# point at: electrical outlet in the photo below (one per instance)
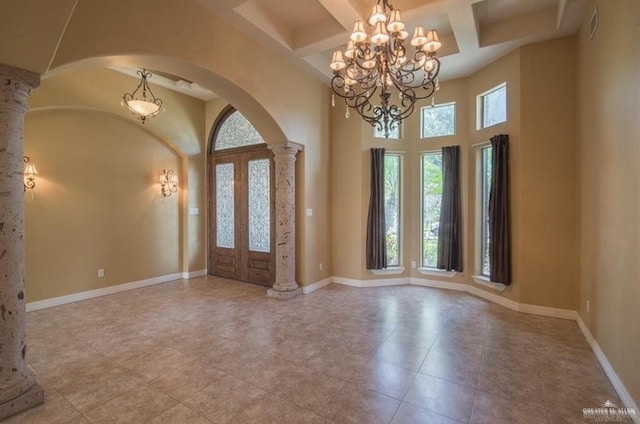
(101, 273)
(320, 266)
(588, 306)
(413, 264)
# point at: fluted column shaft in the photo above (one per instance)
(18, 387)
(285, 286)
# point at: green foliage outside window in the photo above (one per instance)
(392, 208)
(431, 198)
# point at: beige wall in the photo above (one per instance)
(98, 186)
(548, 227)
(609, 159)
(97, 204)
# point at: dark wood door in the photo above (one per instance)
(241, 210)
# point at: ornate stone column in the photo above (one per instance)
(19, 389)
(285, 286)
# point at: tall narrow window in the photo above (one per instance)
(486, 160)
(225, 210)
(431, 202)
(392, 165)
(259, 206)
(492, 106)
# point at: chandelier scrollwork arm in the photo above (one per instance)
(376, 62)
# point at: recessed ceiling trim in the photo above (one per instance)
(270, 25)
(344, 11)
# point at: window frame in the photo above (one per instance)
(480, 124)
(439, 105)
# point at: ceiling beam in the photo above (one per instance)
(270, 25)
(346, 12)
(464, 23)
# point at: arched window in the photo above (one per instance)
(235, 130)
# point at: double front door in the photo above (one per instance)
(242, 215)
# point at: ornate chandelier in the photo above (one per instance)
(142, 102)
(377, 60)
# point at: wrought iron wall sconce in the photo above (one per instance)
(30, 173)
(168, 183)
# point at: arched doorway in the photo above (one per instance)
(241, 202)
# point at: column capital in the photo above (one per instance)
(8, 72)
(287, 148)
(15, 86)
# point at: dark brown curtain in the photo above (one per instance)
(450, 228)
(499, 216)
(376, 246)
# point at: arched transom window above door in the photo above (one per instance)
(236, 131)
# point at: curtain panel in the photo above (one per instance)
(450, 227)
(376, 248)
(499, 213)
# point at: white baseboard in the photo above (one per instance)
(316, 286)
(90, 294)
(425, 282)
(371, 283)
(194, 274)
(608, 369)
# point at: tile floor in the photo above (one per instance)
(214, 351)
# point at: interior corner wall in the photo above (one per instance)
(97, 203)
(609, 169)
(347, 237)
(548, 222)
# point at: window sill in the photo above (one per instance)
(388, 271)
(436, 272)
(484, 281)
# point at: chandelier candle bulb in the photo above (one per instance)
(395, 23)
(348, 53)
(359, 34)
(337, 62)
(377, 15)
(419, 39)
(380, 35)
(433, 41)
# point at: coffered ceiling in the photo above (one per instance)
(473, 32)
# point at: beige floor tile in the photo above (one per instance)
(401, 355)
(443, 397)
(179, 414)
(458, 366)
(224, 399)
(410, 414)
(187, 380)
(490, 409)
(355, 404)
(154, 363)
(519, 386)
(271, 410)
(137, 406)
